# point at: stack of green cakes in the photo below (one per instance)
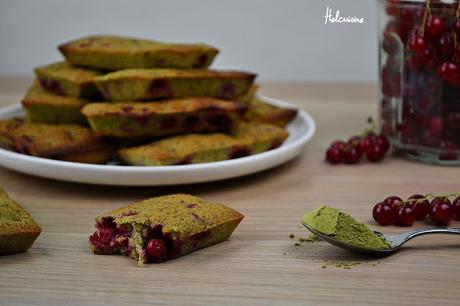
(143, 102)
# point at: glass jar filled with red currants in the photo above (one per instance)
(420, 78)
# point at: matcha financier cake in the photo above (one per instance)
(7, 126)
(262, 112)
(141, 120)
(18, 230)
(163, 228)
(58, 141)
(117, 52)
(66, 80)
(248, 139)
(153, 84)
(41, 105)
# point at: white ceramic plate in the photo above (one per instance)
(301, 130)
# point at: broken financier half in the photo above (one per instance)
(163, 228)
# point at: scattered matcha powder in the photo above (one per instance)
(310, 239)
(344, 228)
(347, 265)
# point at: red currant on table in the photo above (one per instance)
(384, 214)
(393, 210)
(421, 207)
(338, 144)
(441, 213)
(406, 216)
(375, 154)
(456, 207)
(373, 146)
(352, 155)
(334, 155)
(393, 201)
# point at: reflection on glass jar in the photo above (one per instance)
(420, 78)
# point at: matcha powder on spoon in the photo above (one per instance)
(344, 228)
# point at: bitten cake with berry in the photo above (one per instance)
(117, 52)
(163, 228)
(170, 117)
(153, 84)
(18, 230)
(66, 80)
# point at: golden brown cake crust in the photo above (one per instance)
(262, 112)
(18, 230)
(36, 95)
(174, 212)
(110, 52)
(247, 139)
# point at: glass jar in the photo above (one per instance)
(420, 78)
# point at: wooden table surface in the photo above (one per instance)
(259, 264)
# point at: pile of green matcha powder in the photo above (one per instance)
(344, 228)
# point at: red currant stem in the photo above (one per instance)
(427, 197)
(425, 15)
(371, 127)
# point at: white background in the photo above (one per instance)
(282, 40)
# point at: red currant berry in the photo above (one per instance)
(354, 141)
(439, 200)
(434, 27)
(446, 46)
(456, 207)
(156, 249)
(441, 213)
(406, 216)
(384, 214)
(352, 155)
(417, 43)
(376, 153)
(366, 144)
(457, 27)
(421, 208)
(393, 201)
(338, 144)
(449, 71)
(382, 141)
(334, 155)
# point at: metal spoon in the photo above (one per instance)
(396, 241)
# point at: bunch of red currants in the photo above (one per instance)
(393, 210)
(373, 146)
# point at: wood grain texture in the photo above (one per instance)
(259, 265)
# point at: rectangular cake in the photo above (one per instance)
(248, 139)
(153, 84)
(117, 52)
(7, 126)
(163, 228)
(41, 105)
(141, 120)
(18, 230)
(64, 79)
(58, 141)
(262, 112)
